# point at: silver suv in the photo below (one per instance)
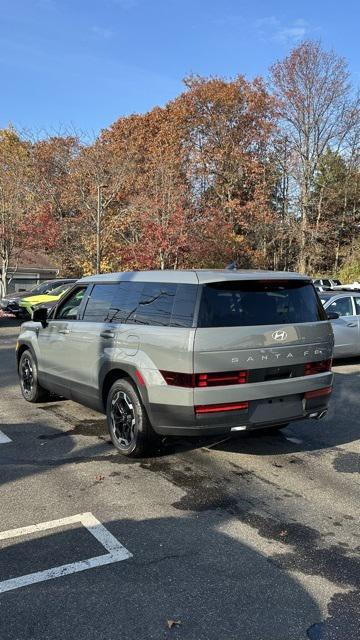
(183, 352)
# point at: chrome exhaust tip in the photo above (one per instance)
(318, 415)
(322, 414)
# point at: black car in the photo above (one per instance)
(10, 303)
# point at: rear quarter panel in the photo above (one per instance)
(169, 349)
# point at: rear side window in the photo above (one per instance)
(156, 304)
(184, 305)
(239, 304)
(147, 303)
(125, 302)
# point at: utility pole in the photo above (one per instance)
(98, 225)
(98, 229)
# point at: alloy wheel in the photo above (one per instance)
(27, 376)
(122, 418)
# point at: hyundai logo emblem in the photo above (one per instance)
(279, 335)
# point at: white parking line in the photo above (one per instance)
(116, 551)
(3, 438)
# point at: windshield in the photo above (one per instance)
(238, 304)
(39, 289)
(59, 290)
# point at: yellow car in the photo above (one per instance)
(27, 304)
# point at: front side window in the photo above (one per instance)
(246, 303)
(342, 306)
(69, 309)
(357, 306)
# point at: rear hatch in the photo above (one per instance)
(265, 332)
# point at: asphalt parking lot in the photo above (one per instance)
(249, 538)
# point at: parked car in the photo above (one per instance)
(11, 302)
(325, 284)
(45, 305)
(27, 305)
(346, 325)
(353, 286)
(183, 352)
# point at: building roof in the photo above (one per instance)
(33, 261)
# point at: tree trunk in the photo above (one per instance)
(3, 281)
(302, 262)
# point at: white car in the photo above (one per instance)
(343, 309)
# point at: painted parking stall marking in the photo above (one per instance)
(116, 552)
(4, 439)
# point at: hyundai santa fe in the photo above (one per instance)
(183, 352)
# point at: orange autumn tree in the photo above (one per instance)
(199, 178)
(229, 128)
(153, 213)
(26, 223)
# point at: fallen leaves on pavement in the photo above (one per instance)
(173, 623)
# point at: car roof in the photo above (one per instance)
(335, 294)
(59, 280)
(194, 276)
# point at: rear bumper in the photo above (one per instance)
(179, 420)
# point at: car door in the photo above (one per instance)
(92, 340)
(356, 300)
(56, 357)
(346, 327)
(105, 335)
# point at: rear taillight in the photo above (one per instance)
(325, 391)
(178, 379)
(216, 379)
(217, 408)
(311, 368)
(192, 380)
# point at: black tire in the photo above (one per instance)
(129, 427)
(31, 390)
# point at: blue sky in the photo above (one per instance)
(84, 63)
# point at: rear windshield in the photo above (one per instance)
(240, 304)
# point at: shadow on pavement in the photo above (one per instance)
(184, 569)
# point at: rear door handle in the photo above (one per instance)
(65, 331)
(351, 324)
(107, 334)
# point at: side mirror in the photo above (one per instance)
(40, 315)
(333, 315)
